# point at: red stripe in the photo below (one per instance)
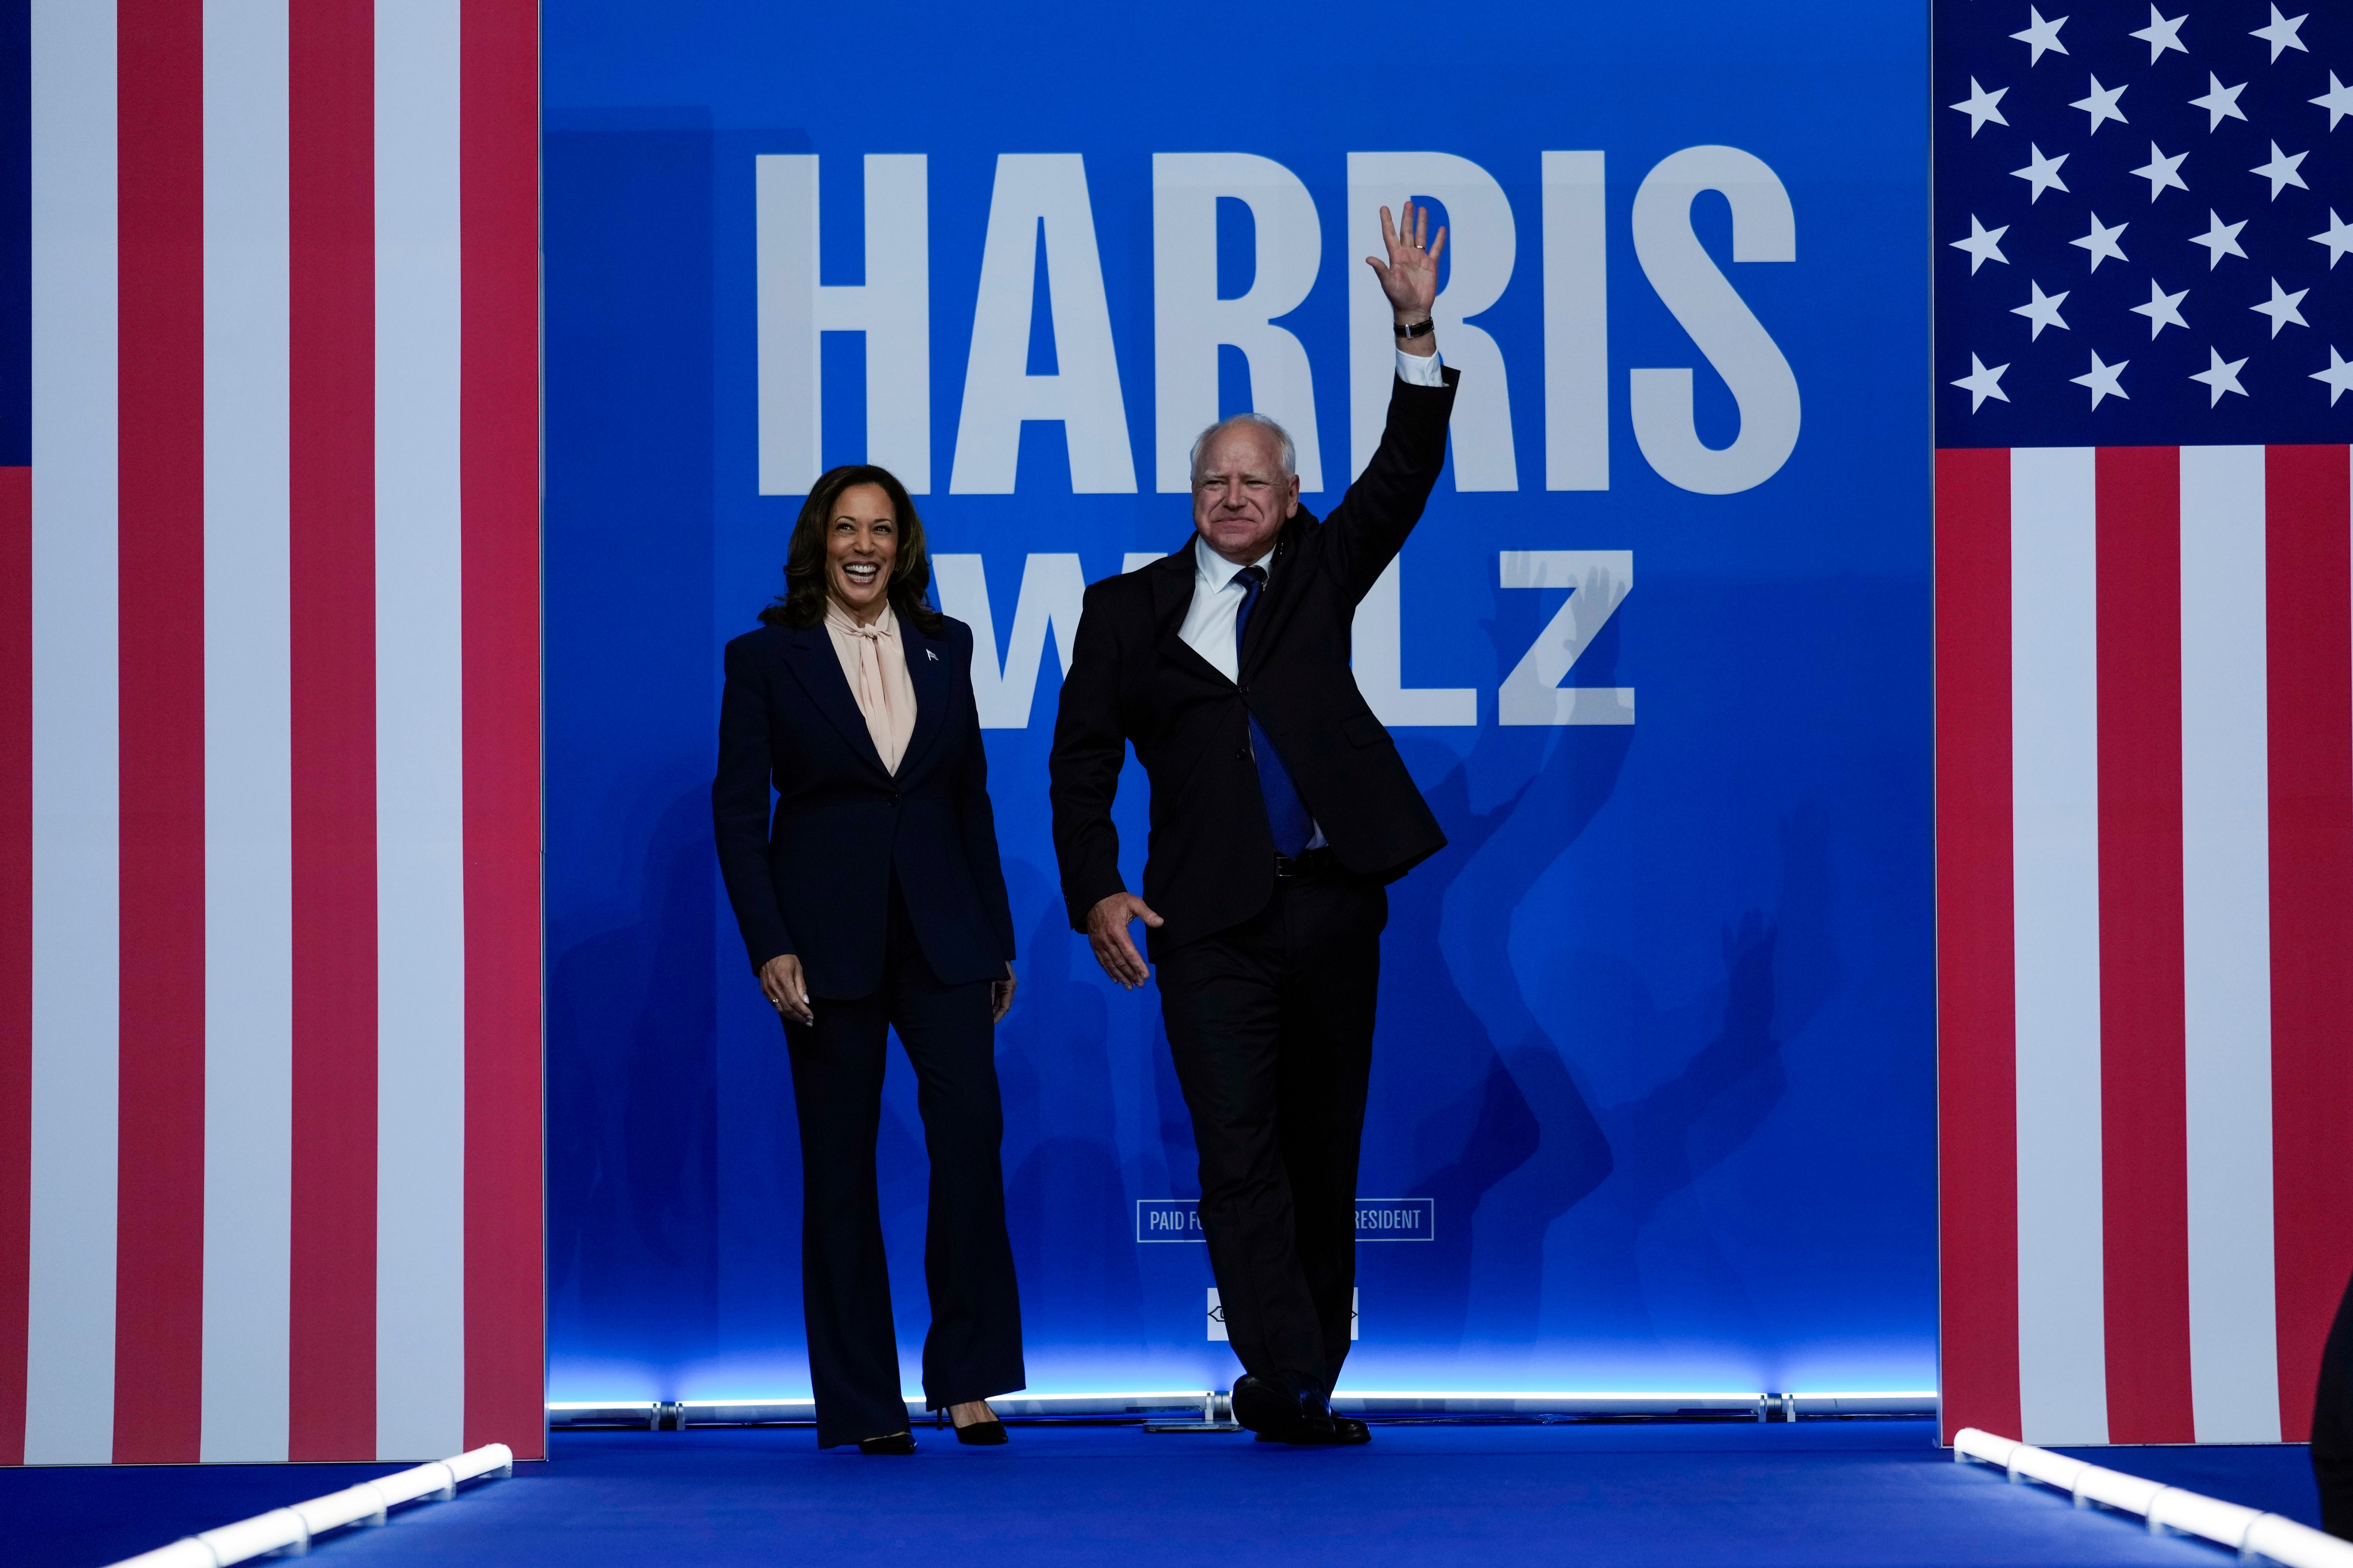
(331, 211)
(1976, 1011)
(505, 1304)
(15, 947)
(2306, 568)
(159, 1277)
(2144, 1125)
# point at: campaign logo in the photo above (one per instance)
(1218, 1315)
(1377, 1219)
(1040, 224)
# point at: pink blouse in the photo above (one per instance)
(874, 661)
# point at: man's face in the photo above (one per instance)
(1242, 497)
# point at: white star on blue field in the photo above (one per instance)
(2139, 212)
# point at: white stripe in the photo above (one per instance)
(2226, 940)
(1576, 321)
(248, 742)
(421, 1014)
(69, 1388)
(2055, 822)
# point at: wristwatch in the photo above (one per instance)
(1417, 330)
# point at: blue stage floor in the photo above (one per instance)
(1859, 1493)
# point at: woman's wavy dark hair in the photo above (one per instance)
(802, 605)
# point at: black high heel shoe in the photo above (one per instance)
(983, 1434)
(896, 1443)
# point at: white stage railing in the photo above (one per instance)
(294, 1528)
(2248, 1531)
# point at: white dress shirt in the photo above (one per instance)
(1419, 370)
(1209, 628)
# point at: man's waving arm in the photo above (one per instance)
(1370, 524)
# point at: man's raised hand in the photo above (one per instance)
(1107, 934)
(1410, 276)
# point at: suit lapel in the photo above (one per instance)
(927, 673)
(1172, 589)
(808, 653)
(1174, 580)
(1282, 590)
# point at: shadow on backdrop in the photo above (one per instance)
(1065, 1192)
(1515, 1122)
(632, 1116)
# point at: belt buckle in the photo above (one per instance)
(1285, 868)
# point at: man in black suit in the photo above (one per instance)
(1280, 811)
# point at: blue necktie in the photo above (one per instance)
(1286, 814)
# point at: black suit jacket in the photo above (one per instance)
(813, 879)
(1133, 679)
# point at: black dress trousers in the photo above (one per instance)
(973, 1349)
(1271, 1025)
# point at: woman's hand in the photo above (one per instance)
(1001, 995)
(787, 990)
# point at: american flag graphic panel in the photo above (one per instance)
(269, 1149)
(2140, 222)
(2144, 712)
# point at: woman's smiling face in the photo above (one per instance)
(862, 544)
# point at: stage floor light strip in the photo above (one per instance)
(294, 1528)
(2248, 1531)
(1193, 1393)
(1766, 1405)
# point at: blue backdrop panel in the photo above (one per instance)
(1655, 1051)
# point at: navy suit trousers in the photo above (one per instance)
(973, 1349)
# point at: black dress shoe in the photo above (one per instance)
(1282, 1412)
(1266, 1408)
(1346, 1432)
(897, 1443)
(984, 1434)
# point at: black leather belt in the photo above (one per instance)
(1306, 863)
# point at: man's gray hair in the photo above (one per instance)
(1282, 438)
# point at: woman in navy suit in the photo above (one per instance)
(870, 899)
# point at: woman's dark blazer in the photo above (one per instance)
(813, 879)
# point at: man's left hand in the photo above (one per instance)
(1410, 276)
(1001, 995)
